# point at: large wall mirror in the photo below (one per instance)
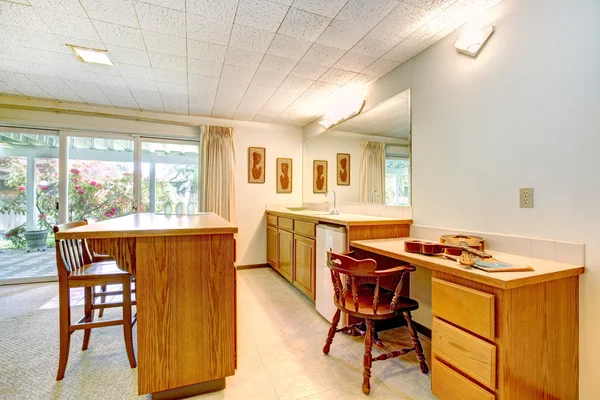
(371, 152)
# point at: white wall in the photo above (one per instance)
(526, 112)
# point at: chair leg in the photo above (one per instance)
(89, 316)
(127, 325)
(102, 300)
(64, 323)
(368, 358)
(332, 329)
(416, 342)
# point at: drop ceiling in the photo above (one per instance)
(255, 60)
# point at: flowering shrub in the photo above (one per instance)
(15, 236)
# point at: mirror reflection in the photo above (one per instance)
(367, 156)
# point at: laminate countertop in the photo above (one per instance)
(147, 224)
(544, 270)
(341, 219)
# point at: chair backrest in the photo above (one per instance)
(71, 254)
(344, 273)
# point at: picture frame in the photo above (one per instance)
(284, 175)
(343, 169)
(256, 164)
(320, 176)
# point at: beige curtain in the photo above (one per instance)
(372, 171)
(217, 171)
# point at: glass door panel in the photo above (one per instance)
(100, 177)
(169, 176)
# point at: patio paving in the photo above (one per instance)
(18, 266)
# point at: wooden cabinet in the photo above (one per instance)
(304, 265)
(285, 243)
(272, 247)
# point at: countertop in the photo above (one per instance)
(342, 219)
(544, 270)
(137, 225)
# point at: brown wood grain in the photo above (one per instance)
(285, 223)
(304, 265)
(342, 219)
(449, 384)
(304, 228)
(285, 243)
(272, 247)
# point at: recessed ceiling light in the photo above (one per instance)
(92, 56)
(473, 40)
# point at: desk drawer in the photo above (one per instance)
(271, 220)
(468, 308)
(286, 223)
(304, 228)
(467, 353)
(447, 384)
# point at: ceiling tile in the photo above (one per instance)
(168, 62)
(203, 82)
(120, 35)
(208, 29)
(253, 39)
(198, 109)
(71, 7)
(174, 77)
(206, 51)
(204, 67)
(342, 35)
(166, 44)
(126, 55)
(308, 70)
(359, 81)
(203, 99)
(31, 39)
(234, 87)
(177, 103)
(237, 72)
(223, 10)
(284, 46)
(406, 49)
(164, 87)
(24, 2)
(283, 97)
(114, 11)
(337, 76)
(122, 101)
(114, 90)
(106, 79)
(160, 19)
(135, 71)
(354, 61)
(243, 58)
(47, 83)
(303, 25)
(380, 67)
(373, 46)
(141, 84)
(148, 100)
(277, 64)
(429, 4)
(91, 44)
(296, 83)
(258, 94)
(101, 69)
(323, 55)
(174, 4)
(269, 78)
(265, 117)
(21, 16)
(285, 118)
(329, 8)
(244, 114)
(366, 13)
(66, 95)
(69, 25)
(73, 74)
(399, 24)
(260, 14)
(88, 91)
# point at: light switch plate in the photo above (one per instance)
(526, 197)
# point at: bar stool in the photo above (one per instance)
(76, 268)
(370, 302)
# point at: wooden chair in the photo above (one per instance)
(371, 302)
(76, 268)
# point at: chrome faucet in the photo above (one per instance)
(373, 196)
(335, 210)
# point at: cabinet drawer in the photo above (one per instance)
(304, 228)
(286, 223)
(447, 384)
(467, 353)
(468, 308)
(271, 220)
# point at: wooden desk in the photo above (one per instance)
(185, 282)
(498, 335)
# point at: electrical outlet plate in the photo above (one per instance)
(526, 197)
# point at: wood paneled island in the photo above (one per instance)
(186, 296)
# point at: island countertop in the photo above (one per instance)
(341, 219)
(147, 224)
(544, 270)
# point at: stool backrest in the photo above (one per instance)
(71, 254)
(346, 271)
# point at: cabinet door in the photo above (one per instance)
(286, 252)
(272, 247)
(304, 265)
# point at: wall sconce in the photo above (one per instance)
(340, 110)
(471, 42)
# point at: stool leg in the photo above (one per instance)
(102, 300)
(332, 329)
(64, 323)
(416, 342)
(368, 359)
(127, 326)
(89, 316)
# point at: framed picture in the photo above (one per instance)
(343, 169)
(319, 176)
(284, 175)
(256, 164)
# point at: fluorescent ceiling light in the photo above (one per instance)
(471, 42)
(92, 56)
(341, 108)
